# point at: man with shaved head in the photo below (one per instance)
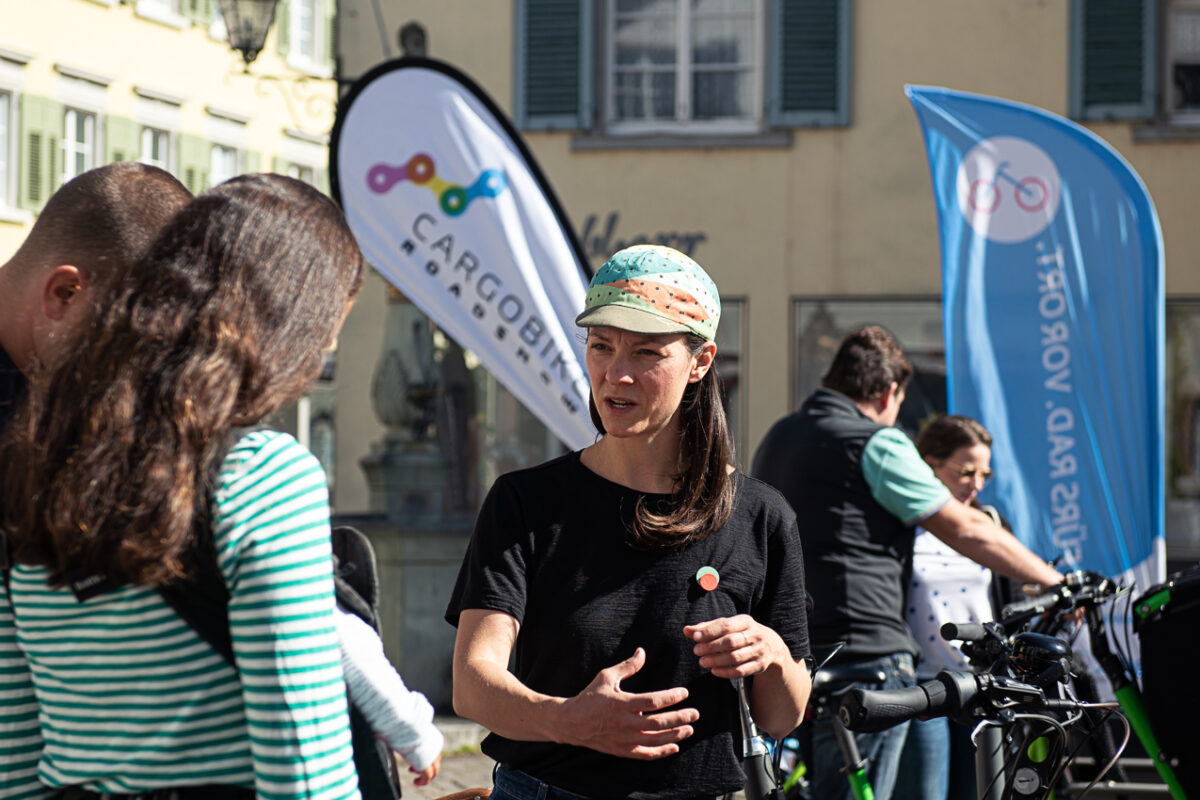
(93, 229)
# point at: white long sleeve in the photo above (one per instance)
(401, 717)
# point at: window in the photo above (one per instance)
(156, 148)
(7, 136)
(224, 164)
(304, 28)
(683, 64)
(301, 172)
(165, 11)
(1183, 432)
(916, 324)
(305, 35)
(78, 143)
(1182, 63)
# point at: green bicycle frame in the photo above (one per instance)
(860, 786)
(1131, 703)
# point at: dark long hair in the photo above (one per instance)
(225, 320)
(703, 498)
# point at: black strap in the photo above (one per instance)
(202, 599)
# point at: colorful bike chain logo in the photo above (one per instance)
(452, 198)
(1008, 189)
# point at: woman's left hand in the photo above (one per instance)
(736, 647)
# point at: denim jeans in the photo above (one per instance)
(512, 784)
(925, 761)
(881, 749)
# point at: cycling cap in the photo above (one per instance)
(652, 289)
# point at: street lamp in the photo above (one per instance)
(246, 22)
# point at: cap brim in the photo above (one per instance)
(628, 319)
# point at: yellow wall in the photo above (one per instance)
(114, 41)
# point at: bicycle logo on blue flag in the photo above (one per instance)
(1008, 189)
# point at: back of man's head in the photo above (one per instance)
(867, 362)
(102, 221)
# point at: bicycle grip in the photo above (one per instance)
(1032, 605)
(874, 710)
(963, 631)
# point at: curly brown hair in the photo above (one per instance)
(867, 362)
(226, 319)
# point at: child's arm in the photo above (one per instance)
(401, 717)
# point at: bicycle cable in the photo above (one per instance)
(1112, 762)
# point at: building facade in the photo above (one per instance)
(772, 140)
(89, 82)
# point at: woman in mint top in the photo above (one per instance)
(226, 320)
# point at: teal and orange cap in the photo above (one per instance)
(648, 288)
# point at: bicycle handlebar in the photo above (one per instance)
(951, 694)
(1033, 605)
(874, 710)
(963, 631)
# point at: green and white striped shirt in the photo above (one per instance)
(118, 694)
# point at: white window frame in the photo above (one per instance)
(150, 136)
(217, 168)
(683, 123)
(165, 12)
(1172, 57)
(9, 165)
(314, 63)
(70, 148)
(302, 172)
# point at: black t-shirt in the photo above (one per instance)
(550, 549)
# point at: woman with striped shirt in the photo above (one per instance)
(224, 322)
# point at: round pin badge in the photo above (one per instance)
(708, 578)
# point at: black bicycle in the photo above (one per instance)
(1029, 719)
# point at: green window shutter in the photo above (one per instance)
(1113, 57)
(282, 33)
(321, 180)
(122, 139)
(552, 61)
(39, 131)
(194, 161)
(809, 63)
(251, 161)
(279, 165)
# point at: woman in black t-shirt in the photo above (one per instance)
(631, 580)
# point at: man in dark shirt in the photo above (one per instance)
(858, 485)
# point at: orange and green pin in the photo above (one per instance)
(708, 578)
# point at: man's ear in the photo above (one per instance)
(892, 395)
(63, 287)
(704, 362)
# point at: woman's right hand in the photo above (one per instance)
(631, 725)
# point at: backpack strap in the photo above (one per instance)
(5, 557)
(202, 598)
